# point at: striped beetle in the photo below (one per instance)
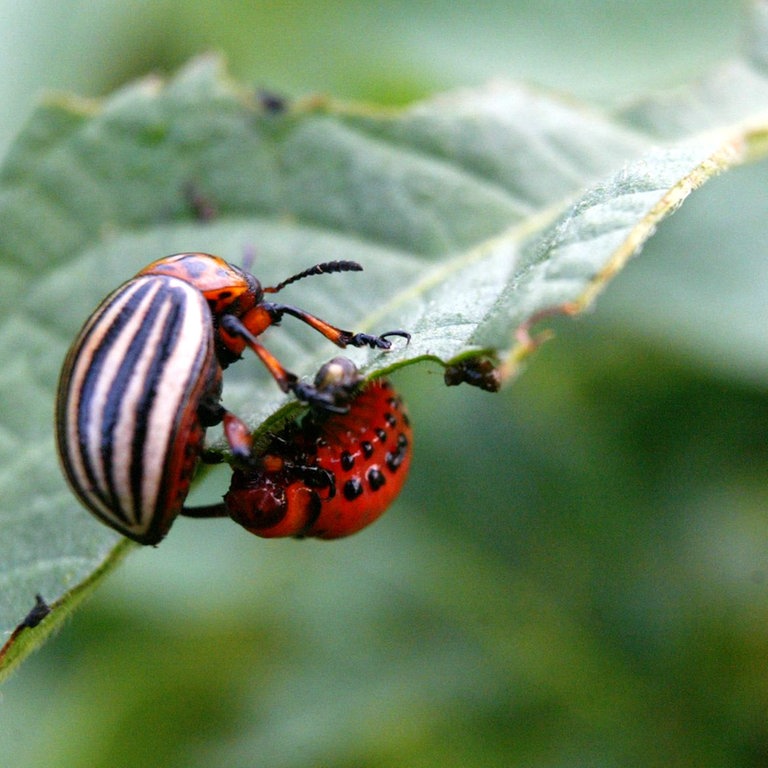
(142, 382)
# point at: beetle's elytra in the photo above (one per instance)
(127, 413)
(142, 381)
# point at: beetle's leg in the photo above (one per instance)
(238, 436)
(240, 441)
(338, 336)
(287, 381)
(210, 411)
(235, 327)
(208, 510)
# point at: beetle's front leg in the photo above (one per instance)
(375, 342)
(234, 326)
(287, 381)
(338, 336)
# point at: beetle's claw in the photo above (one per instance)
(377, 342)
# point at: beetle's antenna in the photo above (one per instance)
(319, 269)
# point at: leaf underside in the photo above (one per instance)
(475, 215)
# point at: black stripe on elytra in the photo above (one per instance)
(116, 395)
(163, 350)
(94, 374)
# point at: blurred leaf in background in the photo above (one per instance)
(389, 52)
(577, 572)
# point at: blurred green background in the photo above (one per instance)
(577, 571)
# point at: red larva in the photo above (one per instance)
(331, 474)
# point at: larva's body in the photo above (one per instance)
(331, 474)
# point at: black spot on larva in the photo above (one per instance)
(394, 460)
(347, 461)
(367, 447)
(381, 434)
(390, 419)
(376, 478)
(353, 489)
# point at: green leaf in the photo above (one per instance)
(475, 214)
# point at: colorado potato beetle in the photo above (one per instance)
(329, 474)
(142, 382)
